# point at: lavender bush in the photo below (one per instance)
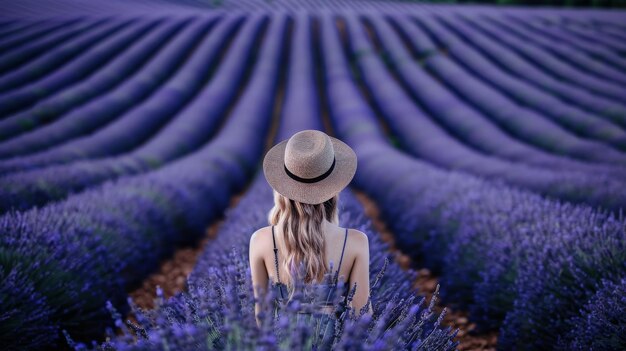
(517, 71)
(601, 324)
(22, 190)
(86, 250)
(487, 241)
(75, 69)
(107, 77)
(60, 54)
(423, 138)
(217, 311)
(139, 123)
(471, 89)
(106, 107)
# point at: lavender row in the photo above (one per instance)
(463, 119)
(33, 32)
(511, 62)
(227, 319)
(549, 112)
(19, 26)
(104, 79)
(60, 55)
(500, 100)
(17, 55)
(605, 315)
(485, 239)
(614, 45)
(427, 140)
(301, 109)
(217, 309)
(191, 127)
(105, 108)
(65, 267)
(548, 63)
(76, 69)
(563, 52)
(611, 31)
(546, 27)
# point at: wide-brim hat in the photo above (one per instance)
(310, 167)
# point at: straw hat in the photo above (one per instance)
(310, 167)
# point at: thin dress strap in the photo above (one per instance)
(344, 247)
(275, 254)
(276, 263)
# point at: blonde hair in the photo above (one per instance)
(301, 226)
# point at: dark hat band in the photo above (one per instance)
(312, 180)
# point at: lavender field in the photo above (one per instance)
(492, 140)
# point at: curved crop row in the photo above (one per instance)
(614, 45)
(60, 55)
(224, 264)
(518, 120)
(545, 61)
(107, 107)
(563, 52)
(192, 126)
(546, 27)
(110, 237)
(17, 55)
(106, 78)
(485, 239)
(427, 140)
(18, 28)
(464, 119)
(76, 69)
(511, 62)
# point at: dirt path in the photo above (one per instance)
(173, 272)
(426, 284)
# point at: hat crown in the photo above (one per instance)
(309, 153)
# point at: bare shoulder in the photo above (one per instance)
(357, 237)
(260, 236)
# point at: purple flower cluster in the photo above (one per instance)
(72, 256)
(423, 138)
(60, 54)
(512, 74)
(138, 123)
(107, 77)
(22, 190)
(602, 323)
(518, 261)
(217, 311)
(159, 115)
(70, 72)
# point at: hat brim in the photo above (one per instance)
(310, 193)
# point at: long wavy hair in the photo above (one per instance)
(301, 226)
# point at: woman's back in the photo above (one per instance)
(323, 297)
(348, 249)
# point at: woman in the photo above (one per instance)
(307, 172)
